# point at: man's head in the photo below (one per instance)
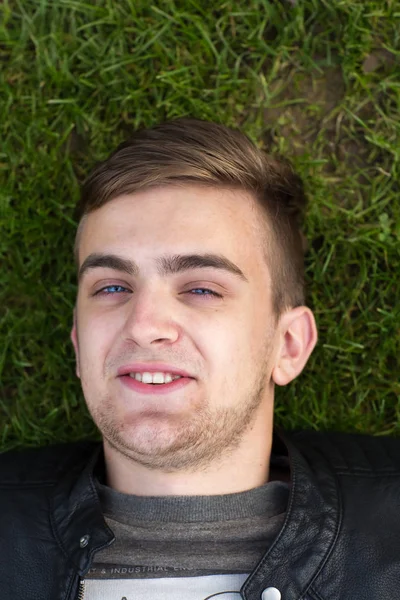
(193, 235)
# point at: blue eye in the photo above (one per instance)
(110, 287)
(209, 292)
(112, 290)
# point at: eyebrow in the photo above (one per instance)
(166, 265)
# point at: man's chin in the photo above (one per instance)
(152, 441)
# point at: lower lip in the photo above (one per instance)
(155, 389)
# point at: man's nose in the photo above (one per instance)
(151, 318)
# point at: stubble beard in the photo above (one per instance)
(212, 434)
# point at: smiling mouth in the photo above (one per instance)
(154, 388)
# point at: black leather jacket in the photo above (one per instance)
(340, 539)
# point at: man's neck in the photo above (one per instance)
(244, 468)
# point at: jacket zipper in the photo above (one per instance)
(81, 591)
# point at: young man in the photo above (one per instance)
(190, 309)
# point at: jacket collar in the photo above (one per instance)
(290, 564)
(76, 515)
(310, 529)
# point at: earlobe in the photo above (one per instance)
(299, 336)
(74, 339)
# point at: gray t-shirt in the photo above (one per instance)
(184, 547)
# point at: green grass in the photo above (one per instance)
(318, 81)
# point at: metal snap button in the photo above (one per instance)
(271, 593)
(83, 542)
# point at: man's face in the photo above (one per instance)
(227, 342)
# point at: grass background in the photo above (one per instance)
(316, 80)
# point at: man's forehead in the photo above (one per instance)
(175, 221)
(192, 203)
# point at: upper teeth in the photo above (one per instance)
(154, 377)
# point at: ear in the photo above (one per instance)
(74, 339)
(299, 336)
